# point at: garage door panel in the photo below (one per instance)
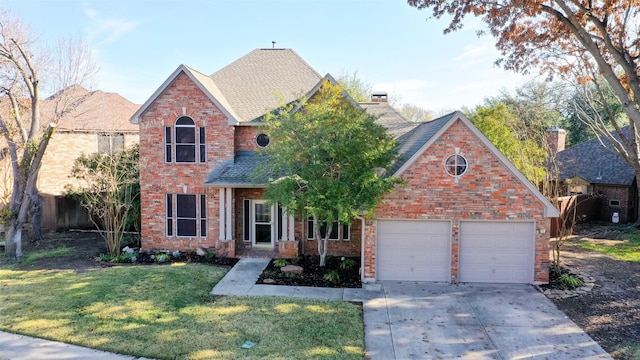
(496, 251)
(413, 250)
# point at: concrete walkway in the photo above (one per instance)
(18, 347)
(419, 320)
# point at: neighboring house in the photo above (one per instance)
(98, 122)
(590, 168)
(465, 215)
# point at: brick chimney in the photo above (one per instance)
(379, 97)
(556, 139)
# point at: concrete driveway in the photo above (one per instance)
(416, 320)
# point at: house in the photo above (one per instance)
(465, 215)
(591, 168)
(97, 122)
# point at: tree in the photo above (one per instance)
(358, 89)
(22, 68)
(582, 41)
(501, 127)
(415, 113)
(109, 187)
(327, 160)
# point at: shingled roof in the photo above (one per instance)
(93, 111)
(596, 164)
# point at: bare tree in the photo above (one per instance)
(22, 68)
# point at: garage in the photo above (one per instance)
(413, 250)
(496, 252)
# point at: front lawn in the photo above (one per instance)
(165, 312)
(624, 246)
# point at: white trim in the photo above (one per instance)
(252, 229)
(229, 235)
(284, 225)
(549, 209)
(222, 214)
(292, 235)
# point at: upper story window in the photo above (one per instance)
(456, 165)
(262, 140)
(109, 143)
(185, 142)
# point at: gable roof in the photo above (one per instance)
(596, 164)
(414, 143)
(245, 89)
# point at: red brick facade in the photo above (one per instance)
(487, 191)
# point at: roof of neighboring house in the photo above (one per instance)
(594, 163)
(90, 111)
(247, 88)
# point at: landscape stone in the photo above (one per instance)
(292, 269)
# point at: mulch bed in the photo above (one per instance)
(610, 313)
(314, 275)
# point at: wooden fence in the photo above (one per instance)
(587, 208)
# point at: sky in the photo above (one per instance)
(386, 43)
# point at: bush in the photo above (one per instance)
(569, 281)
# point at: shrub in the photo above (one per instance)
(162, 257)
(569, 281)
(332, 276)
(347, 264)
(280, 263)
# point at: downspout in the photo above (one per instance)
(362, 236)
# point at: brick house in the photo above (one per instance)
(98, 122)
(465, 215)
(590, 168)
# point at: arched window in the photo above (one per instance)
(186, 144)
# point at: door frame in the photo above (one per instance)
(253, 223)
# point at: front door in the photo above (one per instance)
(262, 223)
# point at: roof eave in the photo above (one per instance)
(135, 118)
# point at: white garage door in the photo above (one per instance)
(496, 252)
(413, 250)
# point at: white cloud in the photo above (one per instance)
(107, 31)
(473, 52)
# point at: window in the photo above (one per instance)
(109, 143)
(337, 232)
(262, 140)
(614, 203)
(189, 217)
(456, 165)
(577, 189)
(169, 215)
(182, 141)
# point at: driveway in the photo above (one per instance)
(415, 320)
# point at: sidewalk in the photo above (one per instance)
(18, 347)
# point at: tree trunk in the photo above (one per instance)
(35, 218)
(13, 241)
(323, 241)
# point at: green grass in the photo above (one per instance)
(50, 253)
(627, 247)
(165, 312)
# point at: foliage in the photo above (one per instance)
(326, 159)
(415, 113)
(346, 264)
(569, 281)
(357, 88)
(162, 258)
(332, 276)
(592, 45)
(165, 312)
(280, 263)
(109, 187)
(500, 127)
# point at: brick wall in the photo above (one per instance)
(488, 191)
(246, 137)
(158, 178)
(622, 194)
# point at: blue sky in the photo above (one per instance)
(139, 43)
